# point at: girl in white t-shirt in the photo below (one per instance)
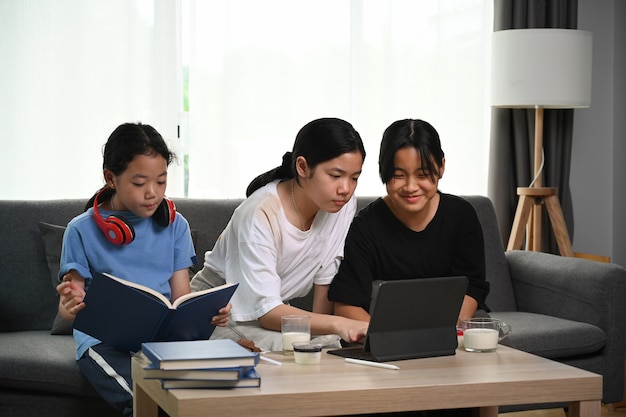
(288, 235)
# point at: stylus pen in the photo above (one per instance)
(266, 359)
(370, 363)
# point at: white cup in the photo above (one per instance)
(482, 334)
(295, 328)
(307, 353)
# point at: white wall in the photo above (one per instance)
(599, 148)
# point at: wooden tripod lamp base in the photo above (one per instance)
(533, 198)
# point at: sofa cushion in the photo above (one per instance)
(193, 269)
(501, 295)
(52, 236)
(36, 360)
(551, 337)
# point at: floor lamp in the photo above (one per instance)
(540, 69)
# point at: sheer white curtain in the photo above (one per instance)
(258, 71)
(70, 72)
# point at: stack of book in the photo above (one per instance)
(220, 363)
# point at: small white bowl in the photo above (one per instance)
(307, 353)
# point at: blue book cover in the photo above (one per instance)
(214, 374)
(199, 354)
(251, 379)
(124, 314)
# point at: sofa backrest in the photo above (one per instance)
(28, 300)
(206, 221)
(501, 296)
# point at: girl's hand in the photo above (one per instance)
(222, 317)
(353, 331)
(71, 294)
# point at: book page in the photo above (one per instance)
(143, 288)
(191, 295)
(161, 297)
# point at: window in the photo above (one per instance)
(71, 72)
(240, 78)
(258, 71)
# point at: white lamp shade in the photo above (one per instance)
(549, 68)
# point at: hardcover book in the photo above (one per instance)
(250, 379)
(152, 371)
(125, 314)
(199, 354)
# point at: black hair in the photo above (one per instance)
(127, 141)
(318, 141)
(412, 133)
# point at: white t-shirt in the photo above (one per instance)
(272, 260)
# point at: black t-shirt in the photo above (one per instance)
(380, 247)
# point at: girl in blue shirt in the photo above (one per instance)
(132, 231)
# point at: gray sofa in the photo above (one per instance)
(570, 310)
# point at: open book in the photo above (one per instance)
(125, 314)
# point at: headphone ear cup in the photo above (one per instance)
(118, 230)
(165, 214)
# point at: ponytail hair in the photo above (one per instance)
(281, 172)
(318, 141)
(105, 196)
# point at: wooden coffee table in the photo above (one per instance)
(483, 380)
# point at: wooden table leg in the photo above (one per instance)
(143, 405)
(584, 409)
(491, 411)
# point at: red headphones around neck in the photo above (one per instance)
(119, 231)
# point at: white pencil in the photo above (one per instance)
(275, 362)
(370, 363)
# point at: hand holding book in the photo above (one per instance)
(141, 314)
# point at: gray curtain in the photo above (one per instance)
(512, 131)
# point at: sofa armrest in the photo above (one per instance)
(569, 288)
(580, 290)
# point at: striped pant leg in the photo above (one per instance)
(109, 372)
